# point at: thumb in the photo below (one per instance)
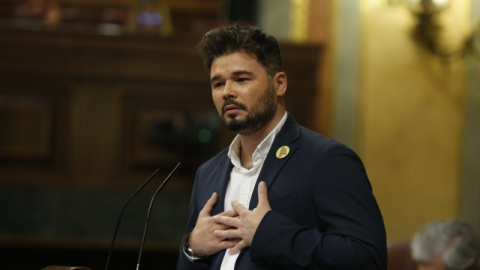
(207, 208)
(263, 195)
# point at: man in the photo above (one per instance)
(446, 245)
(281, 196)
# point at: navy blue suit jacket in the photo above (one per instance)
(324, 214)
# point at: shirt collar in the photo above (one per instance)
(262, 148)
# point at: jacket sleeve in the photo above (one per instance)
(350, 234)
(183, 262)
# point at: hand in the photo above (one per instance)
(203, 240)
(246, 223)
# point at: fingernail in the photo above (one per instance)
(262, 184)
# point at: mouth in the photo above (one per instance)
(232, 108)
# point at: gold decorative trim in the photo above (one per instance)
(299, 18)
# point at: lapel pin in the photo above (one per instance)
(283, 151)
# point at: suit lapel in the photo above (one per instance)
(288, 136)
(224, 169)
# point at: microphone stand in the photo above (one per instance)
(117, 226)
(150, 210)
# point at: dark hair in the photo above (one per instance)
(249, 39)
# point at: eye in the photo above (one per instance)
(217, 84)
(242, 79)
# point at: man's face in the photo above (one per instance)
(243, 94)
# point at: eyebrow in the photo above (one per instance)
(236, 73)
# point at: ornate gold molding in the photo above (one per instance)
(299, 18)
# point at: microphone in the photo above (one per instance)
(150, 210)
(117, 226)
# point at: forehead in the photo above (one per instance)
(236, 61)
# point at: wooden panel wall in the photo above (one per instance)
(85, 118)
(182, 16)
(99, 111)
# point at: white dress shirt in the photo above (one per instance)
(242, 180)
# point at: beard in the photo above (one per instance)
(259, 114)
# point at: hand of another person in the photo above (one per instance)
(247, 221)
(202, 239)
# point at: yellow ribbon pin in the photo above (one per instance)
(283, 151)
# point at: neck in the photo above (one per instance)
(250, 142)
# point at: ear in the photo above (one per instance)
(280, 83)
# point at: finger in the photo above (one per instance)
(229, 243)
(207, 208)
(238, 207)
(228, 221)
(237, 248)
(263, 195)
(227, 234)
(229, 213)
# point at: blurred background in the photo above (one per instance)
(96, 95)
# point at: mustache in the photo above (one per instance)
(233, 102)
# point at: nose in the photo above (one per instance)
(229, 91)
